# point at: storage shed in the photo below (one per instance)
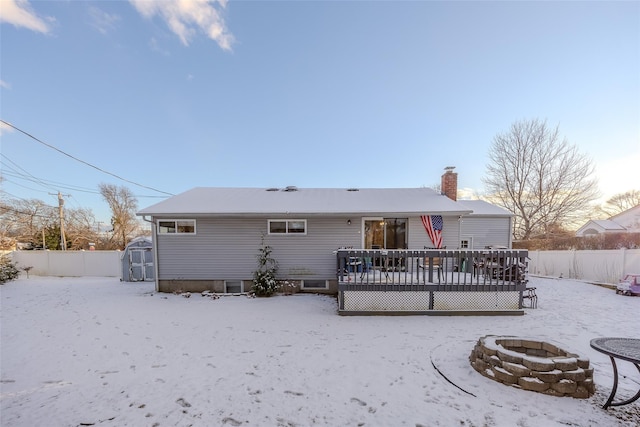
(137, 261)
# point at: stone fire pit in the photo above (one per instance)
(533, 365)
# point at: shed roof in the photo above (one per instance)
(204, 201)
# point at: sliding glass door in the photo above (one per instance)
(385, 233)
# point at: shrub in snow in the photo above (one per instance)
(264, 278)
(8, 270)
(288, 288)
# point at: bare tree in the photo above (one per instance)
(35, 223)
(25, 220)
(621, 202)
(81, 228)
(539, 177)
(123, 207)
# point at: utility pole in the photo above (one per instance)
(63, 239)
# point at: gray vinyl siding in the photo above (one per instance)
(486, 231)
(226, 248)
(418, 237)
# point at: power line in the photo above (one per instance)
(82, 161)
(26, 175)
(56, 184)
(10, 209)
(31, 177)
(20, 185)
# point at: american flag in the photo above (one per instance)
(433, 225)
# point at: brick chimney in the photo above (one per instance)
(449, 183)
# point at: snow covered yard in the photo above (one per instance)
(94, 351)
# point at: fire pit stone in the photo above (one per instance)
(533, 365)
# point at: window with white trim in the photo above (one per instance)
(233, 286)
(287, 226)
(177, 226)
(314, 284)
(466, 243)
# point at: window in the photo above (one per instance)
(177, 226)
(314, 284)
(287, 226)
(233, 286)
(385, 233)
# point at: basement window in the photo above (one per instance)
(314, 284)
(233, 286)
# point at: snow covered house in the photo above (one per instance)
(624, 222)
(208, 238)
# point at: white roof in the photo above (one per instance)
(482, 208)
(201, 201)
(608, 224)
(599, 226)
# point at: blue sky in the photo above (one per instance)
(308, 93)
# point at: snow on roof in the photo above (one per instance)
(292, 200)
(480, 207)
(594, 226)
(608, 224)
(634, 211)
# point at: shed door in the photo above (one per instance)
(140, 264)
(148, 265)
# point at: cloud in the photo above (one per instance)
(4, 128)
(103, 21)
(20, 14)
(4, 85)
(186, 18)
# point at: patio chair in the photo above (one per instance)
(423, 263)
(530, 295)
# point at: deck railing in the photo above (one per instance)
(440, 272)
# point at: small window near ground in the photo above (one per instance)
(465, 244)
(287, 226)
(233, 286)
(177, 226)
(314, 284)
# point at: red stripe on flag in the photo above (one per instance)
(434, 232)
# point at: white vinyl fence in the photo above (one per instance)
(607, 266)
(69, 263)
(595, 266)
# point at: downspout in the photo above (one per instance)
(510, 232)
(154, 241)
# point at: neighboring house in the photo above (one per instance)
(208, 238)
(624, 222)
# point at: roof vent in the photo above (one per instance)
(353, 189)
(272, 189)
(290, 188)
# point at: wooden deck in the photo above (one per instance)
(431, 281)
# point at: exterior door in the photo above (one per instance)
(385, 233)
(374, 233)
(140, 264)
